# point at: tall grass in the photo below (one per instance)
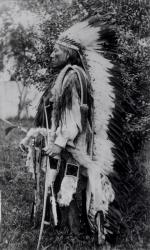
(17, 197)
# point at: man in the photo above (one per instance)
(82, 106)
(81, 119)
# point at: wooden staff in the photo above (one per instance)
(52, 198)
(0, 216)
(36, 203)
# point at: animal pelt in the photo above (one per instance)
(65, 195)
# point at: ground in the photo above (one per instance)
(17, 196)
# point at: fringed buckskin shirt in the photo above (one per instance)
(67, 117)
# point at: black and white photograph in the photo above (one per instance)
(74, 124)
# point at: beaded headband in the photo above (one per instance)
(67, 45)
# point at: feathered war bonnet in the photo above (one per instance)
(113, 154)
(92, 39)
(95, 41)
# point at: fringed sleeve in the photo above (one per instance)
(70, 117)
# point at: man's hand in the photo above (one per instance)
(53, 151)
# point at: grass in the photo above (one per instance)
(17, 197)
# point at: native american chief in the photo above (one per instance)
(83, 116)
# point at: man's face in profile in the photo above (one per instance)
(58, 56)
